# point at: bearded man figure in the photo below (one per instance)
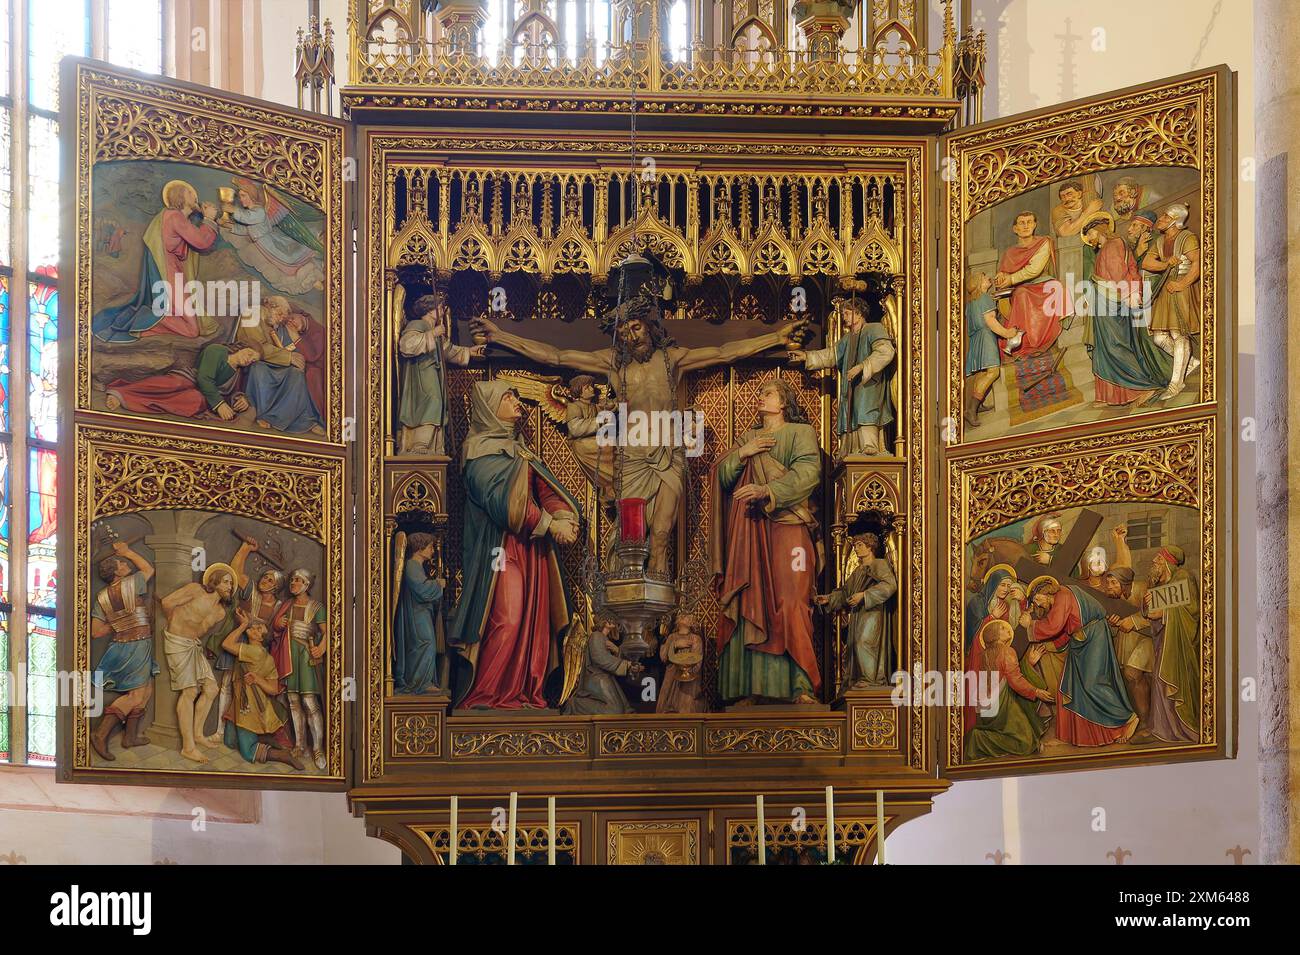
(192, 612)
(1176, 671)
(644, 367)
(1093, 705)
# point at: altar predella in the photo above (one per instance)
(615, 474)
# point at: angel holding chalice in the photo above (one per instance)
(683, 655)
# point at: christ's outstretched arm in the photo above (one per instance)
(694, 359)
(593, 362)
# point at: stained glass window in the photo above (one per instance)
(54, 30)
(4, 527)
(43, 361)
(4, 687)
(42, 688)
(43, 196)
(43, 526)
(40, 33)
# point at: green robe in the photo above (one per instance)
(1014, 730)
(1180, 658)
(745, 673)
(869, 647)
(424, 389)
(214, 377)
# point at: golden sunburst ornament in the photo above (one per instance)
(655, 850)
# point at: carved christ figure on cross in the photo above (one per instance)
(644, 367)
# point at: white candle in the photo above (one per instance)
(880, 827)
(510, 836)
(455, 836)
(762, 834)
(830, 823)
(550, 830)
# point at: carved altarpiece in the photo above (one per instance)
(764, 175)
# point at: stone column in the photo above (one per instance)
(1277, 261)
(174, 545)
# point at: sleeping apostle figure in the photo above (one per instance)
(513, 610)
(211, 390)
(415, 630)
(763, 556)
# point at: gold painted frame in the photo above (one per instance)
(114, 114)
(1186, 121)
(121, 472)
(296, 482)
(913, 734)
(1169, 463)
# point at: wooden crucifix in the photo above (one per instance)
(1066, 557)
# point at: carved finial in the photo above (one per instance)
(1238, 854)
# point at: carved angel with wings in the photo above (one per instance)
(592, 665)
(579, 407)
(270, 239)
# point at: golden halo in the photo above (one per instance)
(979, 635)
(1007, 567)
(1037, 580)
(213, 569)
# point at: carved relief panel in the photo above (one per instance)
(203, 468)
(1088, 439)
